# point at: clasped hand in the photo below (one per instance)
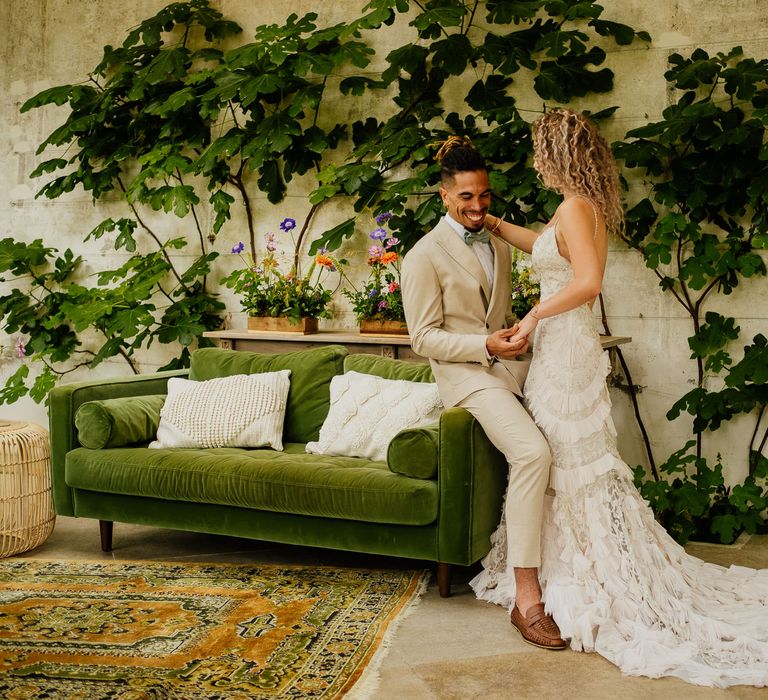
(507, 342)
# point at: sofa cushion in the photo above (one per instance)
(311, 374)
(368, 411)
(388, 368)
(117, 422)
(285, 482)
(413, 452)
(243, 410)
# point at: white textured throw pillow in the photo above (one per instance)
(244, 410)
(368, 411)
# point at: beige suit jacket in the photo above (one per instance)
(450, 311)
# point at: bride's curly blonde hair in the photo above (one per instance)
(571, 155)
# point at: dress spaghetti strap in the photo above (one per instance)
(594, 211)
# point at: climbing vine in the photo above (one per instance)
(171, 123)
(701, 230)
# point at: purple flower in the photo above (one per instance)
(382, 218)
(373, 293)
(21, 347)
(375, 251)
(239, 248)
(383, 305)
(287, 224)
(379, 234)
(391, 241)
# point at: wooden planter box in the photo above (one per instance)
(281, 324)
(369, 327)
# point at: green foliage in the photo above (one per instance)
(166, 109)
(692, 500)
(266, 291)
(133, 131)
(392, 167)
(701, 231)
(170, 121)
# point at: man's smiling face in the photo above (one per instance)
(467, 197)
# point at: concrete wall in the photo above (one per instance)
(51, 42)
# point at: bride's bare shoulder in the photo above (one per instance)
(577, 205)
(578, 212)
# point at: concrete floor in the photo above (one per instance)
(445, 649)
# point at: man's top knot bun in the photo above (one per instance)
(450, 144)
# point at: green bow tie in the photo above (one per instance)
(481, 236)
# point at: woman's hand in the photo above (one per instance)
(525, 327)
(516, 236)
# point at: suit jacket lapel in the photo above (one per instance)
(462, 255)
(500, 285)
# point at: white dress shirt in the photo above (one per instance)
(483, 251)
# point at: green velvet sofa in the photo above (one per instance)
(444, 512)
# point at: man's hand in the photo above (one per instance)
(498, 343)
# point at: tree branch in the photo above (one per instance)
(194, 216)
(152, 234)
(750, 461)
(302, 233)
(237, 181)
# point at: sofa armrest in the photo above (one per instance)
(472, 481)
(63, 402)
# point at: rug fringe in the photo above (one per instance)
(368, 683)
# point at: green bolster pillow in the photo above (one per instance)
(413, 452)
(117, 422)
(387, 368)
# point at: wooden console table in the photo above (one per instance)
(395, 346)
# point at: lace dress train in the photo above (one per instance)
(614, 580)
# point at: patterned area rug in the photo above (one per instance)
(153, 631)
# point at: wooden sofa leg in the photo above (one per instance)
(444, 579)
(105, 530)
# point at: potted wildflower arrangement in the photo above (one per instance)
(277, 300)
(525, 288)
(378, 304)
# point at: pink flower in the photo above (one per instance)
(391, 241)
(393, 287)
(21, 347)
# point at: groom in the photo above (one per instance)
(456, 294)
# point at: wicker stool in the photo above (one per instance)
(26, 505)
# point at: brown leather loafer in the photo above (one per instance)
(538, 628)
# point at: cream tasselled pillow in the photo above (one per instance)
(367, 411)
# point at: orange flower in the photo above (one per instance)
(324, 260)
(388, 257)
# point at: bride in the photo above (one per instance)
(613, 579)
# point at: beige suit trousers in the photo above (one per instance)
(512, 431)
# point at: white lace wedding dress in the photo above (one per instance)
(614, 580)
